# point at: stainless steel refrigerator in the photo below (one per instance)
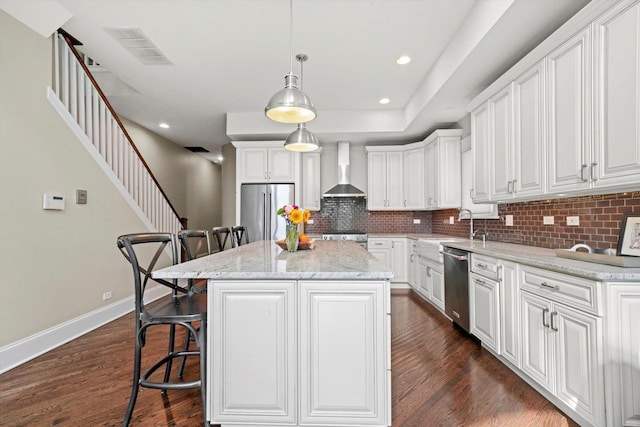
(258, 206)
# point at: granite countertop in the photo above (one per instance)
(413, 236)
(547, 259)
(265, 260)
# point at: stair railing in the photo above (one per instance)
(81, 96)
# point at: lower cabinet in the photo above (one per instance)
(343, 379)
(300, 353)
(562, 351)
(509, 311)
(484, 310)
(431, 281)
(622, 347)
(391, 252)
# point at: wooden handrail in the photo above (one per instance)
(71, 41)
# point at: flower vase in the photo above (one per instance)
(291, 237)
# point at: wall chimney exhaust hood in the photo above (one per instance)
(344, 188)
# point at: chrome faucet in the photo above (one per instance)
(460, 214)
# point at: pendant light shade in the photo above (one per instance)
(302, 140)
(290, 105)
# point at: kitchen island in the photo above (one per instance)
(296, 338)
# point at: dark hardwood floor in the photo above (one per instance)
(441, 377)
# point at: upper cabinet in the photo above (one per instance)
(616, 145)
(311, 181)
(265, 162)
(564, 120)
(442, 169)
(417, 176)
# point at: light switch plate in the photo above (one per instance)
(573, 220)
(416, 220)
(548, 220)
(508, 220)
(81, 197)
(452, 220)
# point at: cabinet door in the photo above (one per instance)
(425, 279)
(377, 181)
(578, 364)
(500, 137)
(484, 315)
(448, 175)
(253, 337)
(437, 285)
(617, 97)
(311, 181)
(529, 136)
(281, 165)
(413, 164)
(480, 210)
(537, 346)
(399, 261)
(395, 177)
(509, 311)
(431, 175)
(481, 182)
(412, 261)
(569, 79)
(623, 353)
(253, 164)
(343, 377)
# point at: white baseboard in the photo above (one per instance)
(400, 285)
(22, 351)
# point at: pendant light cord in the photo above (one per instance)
(290, 36)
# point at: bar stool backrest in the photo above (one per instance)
(221, 235)
(195, 243)
(240, 235)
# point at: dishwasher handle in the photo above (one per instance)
(455, 256)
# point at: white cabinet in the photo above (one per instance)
(310, 170)
(616, 145)
(265, 355)
(480, 210)
(622, 349)
(484, 310)
(344, 381)
(413, 266)
(442, 169)
(385, 180)
(508, 273)
(500, 144)
(414, 182)
(481, 178)
(266, 165)
(561, 345)
(569, 80)
(431, 281)
(393, 253)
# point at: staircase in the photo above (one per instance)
(80, 102)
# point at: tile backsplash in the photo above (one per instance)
(600, 217)
(342, 214)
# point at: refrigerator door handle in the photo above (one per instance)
(264, 214)
(269, 215)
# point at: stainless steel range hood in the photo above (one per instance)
(344, 188)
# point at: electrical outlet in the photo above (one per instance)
(452, 220)
(416, 220)
(310, 221)
(573, 220)
(548, 220)
(508, 220)
(106, 296)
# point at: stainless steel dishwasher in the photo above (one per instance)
(456, 286)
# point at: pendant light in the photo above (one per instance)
(301, 139)
(290, 105)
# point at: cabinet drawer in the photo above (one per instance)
(573, 291)
(484, 266)
(379, 243)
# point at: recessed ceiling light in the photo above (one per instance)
(384, 101)
(164, 125)
(404, 59)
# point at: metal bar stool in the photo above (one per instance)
(221, 235)
(240, 233)
(182, 308)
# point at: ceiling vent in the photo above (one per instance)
(197, 149)
(139, 45)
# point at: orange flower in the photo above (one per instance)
(296, 216)
(306, 215)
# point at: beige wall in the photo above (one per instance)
(192, 183)
(55, 265)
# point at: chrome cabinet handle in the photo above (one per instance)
(545, 285)
(513, 186)
(429, 271)
(509, 187)
(479, 281)
(544, 318)
(404, 203)
(553, 315)
(593, 171)
(499, 271)
(482, 266)
(582, 168)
